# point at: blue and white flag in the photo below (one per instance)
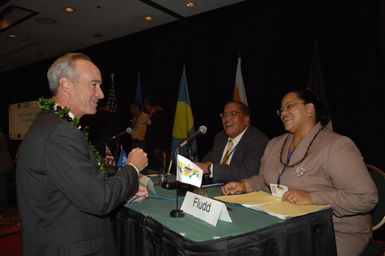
(122, 158)
(188, 172)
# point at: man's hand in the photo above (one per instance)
(140, 195)
(203, 166)
(138, 158)
(233, 187)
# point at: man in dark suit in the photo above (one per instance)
(64, 198)
(237, 149)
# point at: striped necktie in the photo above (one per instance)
(226, 156)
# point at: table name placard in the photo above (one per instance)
(204, 208)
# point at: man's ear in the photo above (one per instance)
(65, 84)
(247, 119)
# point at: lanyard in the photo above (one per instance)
(284, 167)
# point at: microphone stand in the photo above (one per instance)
(189, 152)
(164, 182)
(116, 152)
(177, 213)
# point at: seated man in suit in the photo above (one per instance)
(237, 149)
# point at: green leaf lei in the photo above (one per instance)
(48, 104)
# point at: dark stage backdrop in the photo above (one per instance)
(275, 40)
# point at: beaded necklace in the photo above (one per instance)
(304, 156)
(49, 105)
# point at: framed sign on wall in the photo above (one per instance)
(21, 116)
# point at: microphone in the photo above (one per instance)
(128, 130)
(202, 130)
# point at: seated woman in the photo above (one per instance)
(317, 166)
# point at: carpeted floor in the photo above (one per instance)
(9, 222)
(10, 238)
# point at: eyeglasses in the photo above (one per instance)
(288, 107)
(232, 114)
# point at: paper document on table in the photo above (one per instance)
(265, 202)
(249, 198)
(285, 210)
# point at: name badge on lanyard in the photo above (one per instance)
(278, 190)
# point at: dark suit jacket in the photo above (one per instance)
(246, 158)
(62, 198)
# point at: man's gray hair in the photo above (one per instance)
(63, 67)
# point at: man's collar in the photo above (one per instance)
(70, 114)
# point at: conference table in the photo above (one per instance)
(146, 228)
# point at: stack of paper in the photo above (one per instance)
(262, 201)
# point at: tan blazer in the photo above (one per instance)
(334, 173)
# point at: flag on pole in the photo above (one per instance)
(183, 122)
(188, 172)
(112, 103)
(239, 88)
(122, 158)
(138, 92)
(315, 81)
(109, 159)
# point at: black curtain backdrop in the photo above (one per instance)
(275, 40)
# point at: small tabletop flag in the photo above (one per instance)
(188, 172)
(122, 158)
(109, 159)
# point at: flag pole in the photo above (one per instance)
(176, 213)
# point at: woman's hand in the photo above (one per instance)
(296, 196)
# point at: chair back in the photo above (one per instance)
(378, 213)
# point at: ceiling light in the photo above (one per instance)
(148, 18)
(190, 4)
(69, 10)
(4, 23)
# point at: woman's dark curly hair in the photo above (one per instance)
(322, 113)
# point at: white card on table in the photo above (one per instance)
(205, 208)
